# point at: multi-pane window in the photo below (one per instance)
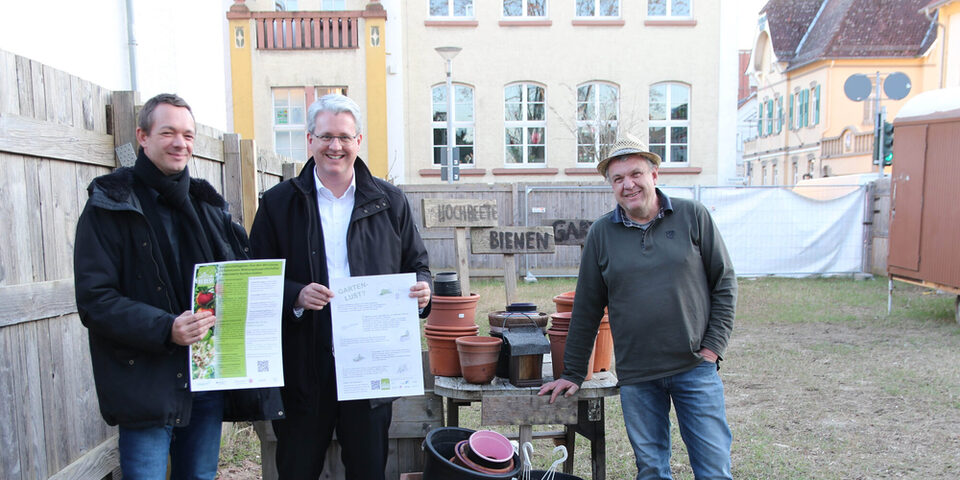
(779, 113)
(769, 117)
(670, 121)
(451, 8)
(290, 123)
(598, 8)
(525, 124)
(598, 112)
(791, 125)
(332, 5)
(463, 123)
(524, 8)
(760, 119)
(816, 105)
(668, 8)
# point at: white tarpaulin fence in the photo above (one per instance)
(775, 231)
(768, 230)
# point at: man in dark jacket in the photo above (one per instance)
(138, 238)
(334, 220)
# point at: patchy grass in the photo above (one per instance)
(821, 383)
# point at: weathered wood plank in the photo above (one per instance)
(21, 341)
(512, 240)
(9, 96)
(53, 383)
(208, 147)
(414, 417)
(38, 90)
(572, 231)
(27, 136)
(58, 217)
(269, 162)
(462, 259)
(96, 463)
(249, 195)
(25, 87)
(79, 94)
(529, 409)
(21, 260)
(123, 111)
(35, 301)
(439, 212)
(231, 173)
(10, 406)
(57, 94)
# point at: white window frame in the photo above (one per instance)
(290, 128)
(668, 124)
(669, 14)
(596, 9)
(451, 12)
(598, 145)
(525, 10)
(525, 125)
(457, 124)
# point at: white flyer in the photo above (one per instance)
(376, 337)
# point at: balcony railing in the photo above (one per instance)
(307, 30)
(860, 143)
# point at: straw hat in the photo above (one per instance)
(627, 145)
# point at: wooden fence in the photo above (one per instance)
(57, 133)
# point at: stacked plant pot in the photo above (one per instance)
(451, 317)
(559, 326)
(603, 346)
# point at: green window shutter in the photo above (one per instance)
(760, 120)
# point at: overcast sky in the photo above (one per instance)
(747, 21)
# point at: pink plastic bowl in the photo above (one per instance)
(491, 446)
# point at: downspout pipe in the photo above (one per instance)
(131, 46)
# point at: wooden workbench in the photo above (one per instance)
(504, 404)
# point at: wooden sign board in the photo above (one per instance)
(528, 410)
(512, 240)
(438, 212)
(569, 231)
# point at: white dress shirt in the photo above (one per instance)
(335, 219)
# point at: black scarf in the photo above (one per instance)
(193, 241)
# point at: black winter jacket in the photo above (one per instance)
(382, 238)
(124, 299)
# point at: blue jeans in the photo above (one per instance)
(194, 450)
(698, 397)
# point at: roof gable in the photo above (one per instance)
(848, 29)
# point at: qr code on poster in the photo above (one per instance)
(263, 366)
(374, 384)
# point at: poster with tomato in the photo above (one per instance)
(242, 350)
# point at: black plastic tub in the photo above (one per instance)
(538, 475)
(439, 448)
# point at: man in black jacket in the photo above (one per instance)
(138, 238)
(334, 220)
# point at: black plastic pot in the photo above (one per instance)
(439, 447)
(446, 284)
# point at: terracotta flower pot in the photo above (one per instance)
(603, 346)
(444, 359)
(453, 311)
(558, 345)
(564, 301)
(478, 358)
(560, 321)
(454, 332)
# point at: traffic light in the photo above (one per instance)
(886, 153)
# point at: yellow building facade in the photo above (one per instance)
(808, 126)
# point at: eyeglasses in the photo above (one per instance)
(328, 139)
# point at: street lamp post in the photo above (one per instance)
(449, 165)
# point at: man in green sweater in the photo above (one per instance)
(660, 267)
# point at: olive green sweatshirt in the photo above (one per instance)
(670, 290)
